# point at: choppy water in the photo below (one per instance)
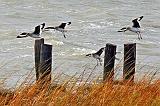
(94, 23)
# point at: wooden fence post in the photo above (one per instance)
(37, 50)
(46, 62)
(109, 60)
(129, 61)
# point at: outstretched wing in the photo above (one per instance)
(37, 30)
(100, 51)
(88, 55)
(62, 25)
(136, 22)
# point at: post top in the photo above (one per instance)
(130, 44)
(109, 44)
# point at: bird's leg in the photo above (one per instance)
(140, 35)
(97, 62)
(100, 61)
(63, 34)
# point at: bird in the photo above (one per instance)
(97, 55)
(135, 27)
(60, 28)
(36, 34)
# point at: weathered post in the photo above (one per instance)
(129, 62)
(45, 62)
(109, 60)
(37, 50)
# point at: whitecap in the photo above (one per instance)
(82, 51)
(59, 43)
(95, 26)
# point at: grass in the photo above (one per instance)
(74, 93)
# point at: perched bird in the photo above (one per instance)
(60, 28)
(135, 28)
(36, 34)
(97, 55)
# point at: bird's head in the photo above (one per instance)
(42, 26)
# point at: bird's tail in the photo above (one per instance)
(124, 29)
(120, 31)
(23, 35)
(88, 55)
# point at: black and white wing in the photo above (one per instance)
(136, 22)
(37, 30)
(62, 25)
(100, 51)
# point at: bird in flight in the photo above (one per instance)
(35, 34)
(135, 28)
(97, 55)
(60, 28)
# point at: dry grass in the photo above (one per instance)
(70, 93)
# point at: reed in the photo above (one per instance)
(77, 92)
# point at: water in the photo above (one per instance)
(94, 23)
